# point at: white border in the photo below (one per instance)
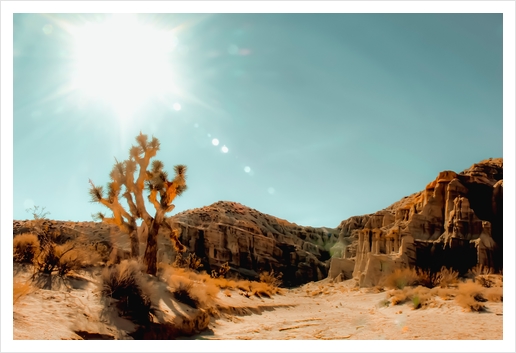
(7, 10)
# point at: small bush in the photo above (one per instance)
(195, 290)
(182, 293)
(64, 258)
(419, 296)
(49, 258)
(446, 277)
(494, 294)
(191, 262)
(470, 296)
(400, 278)
(221, 272)
(271, 278)
(126, 284)
(26, 248)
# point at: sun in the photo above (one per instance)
(123, 62)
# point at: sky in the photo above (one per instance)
(312, 118)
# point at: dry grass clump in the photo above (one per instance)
(400, 278)
(64, 258)
(20, 289)
(26, 248)
(471, 296)
(191, 262)
(127, 286)
(193, 289)
(485, 276)
(411, 277)
(221, 271)
(419, 296)
(444, 293)
(271, 278)
(493, 294)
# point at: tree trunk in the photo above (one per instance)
(135, 244)
(151, 252)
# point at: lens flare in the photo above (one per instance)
(215, 142)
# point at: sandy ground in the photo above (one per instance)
(356, 315)
(315, 311)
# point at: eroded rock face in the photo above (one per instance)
(456, 221)
(252, 242)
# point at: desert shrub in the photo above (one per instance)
(221, 271)
(271, 278)
(191, 262)
(75, 259)
(101, 251)
(494, 294)
(49, 259)
(446, 277)
(224, 283)
(444, 293)
(182, 293)
(126, 284)
(397, 296)
(261, 289)
(485, 276)
(26, 248)
(400, 278)
(20, 289)
(470, 296)
(195, 290)
(411, 277)
(419, 296)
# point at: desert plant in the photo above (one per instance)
(51, 259)
(221, 271)
(471, 296)
(191, 261)
(162, 193)
(444, 278)
(400, 278)
(125, 283)
(485, 276)
(271, 278)
(26, 248)
(182, 293)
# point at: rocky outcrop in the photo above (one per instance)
(251, 242)
(456, 221)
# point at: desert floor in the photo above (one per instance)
(340, 313)
(320, 310)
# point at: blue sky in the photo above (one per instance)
(324, 116)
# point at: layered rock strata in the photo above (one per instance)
(249, 241)
(456, 221)
(252, 242)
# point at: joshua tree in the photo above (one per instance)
(161, 194)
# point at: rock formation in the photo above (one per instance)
(456, 221)
(252, 242)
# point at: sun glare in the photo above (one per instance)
(123, 61)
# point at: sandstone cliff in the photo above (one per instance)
(456, 221)
(251, 242)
